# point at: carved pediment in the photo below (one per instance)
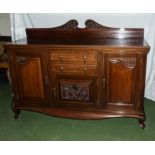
(72, 24)
(92, 24)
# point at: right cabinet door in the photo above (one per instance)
(121, 78)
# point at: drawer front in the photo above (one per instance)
(72, 56)
(71, 68)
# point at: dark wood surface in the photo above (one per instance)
(90, 73)
(92, 34)
(70, 33)
(129, 43)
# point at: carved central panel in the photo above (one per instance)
(75, 92)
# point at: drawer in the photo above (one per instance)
(72, 56)
(71, 68)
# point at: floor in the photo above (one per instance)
(36, 126)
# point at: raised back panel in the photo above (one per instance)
(71, 33)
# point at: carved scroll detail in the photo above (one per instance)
(75, 92)
(128, 62)
(72, 24)
(92, 24)
(23, 59)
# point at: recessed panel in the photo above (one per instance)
(120, 84)
(75, 91)
(31, 78)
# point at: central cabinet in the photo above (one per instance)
(74, 77)
(85, 73)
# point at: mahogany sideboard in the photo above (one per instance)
(94, 72)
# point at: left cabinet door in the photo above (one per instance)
(29, 68)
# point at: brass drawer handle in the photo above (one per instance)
(61, 58)
(84, 59)
(46, 80)
(61, 68)
(104, 82)
(85, 69)
(54, 91)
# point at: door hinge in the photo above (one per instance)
(54, 91)
(46, 80)
(17, 96)
(11, 58)
(103, 82)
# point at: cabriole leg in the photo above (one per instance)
(17, 112)
(141, 123)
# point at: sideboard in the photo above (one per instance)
(94, 72)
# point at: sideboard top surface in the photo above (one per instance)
(104, 42)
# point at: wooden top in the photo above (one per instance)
(93, 34)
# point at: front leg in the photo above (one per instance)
(17, 112)
(141, 123)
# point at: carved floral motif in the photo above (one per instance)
(92, 24)
(128, 62)
(22, 59)
(72, 24)
(74, 92)
(131, 62)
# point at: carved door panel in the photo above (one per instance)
(29, 68)
(121, 79)
(75, 91)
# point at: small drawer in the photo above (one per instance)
(72, 56)
(71, 68)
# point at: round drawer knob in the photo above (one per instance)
(84, 58)
(61, 57)
(85, 69)
(61, 68)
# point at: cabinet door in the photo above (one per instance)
(29, 68)
(121, 77)
(75, 91)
